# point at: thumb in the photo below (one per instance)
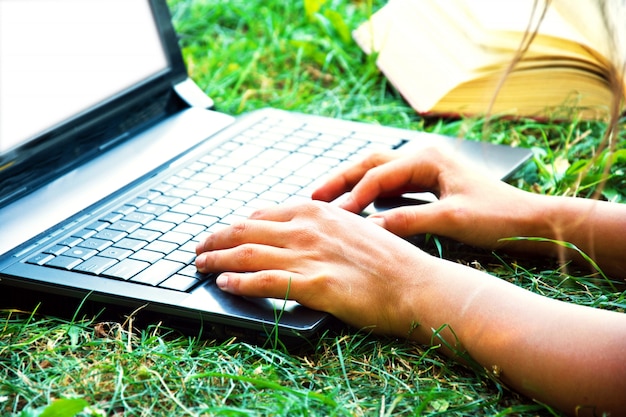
(411, 220)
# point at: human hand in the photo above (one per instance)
(471, 208)
(323, 257)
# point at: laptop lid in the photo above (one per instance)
(104, 70)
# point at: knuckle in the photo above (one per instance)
(370, 175)
(305, 236)
(378, 158)
(313, 208)
(238, 230)
(265, 281)
(206, 244)
(246, 255)
(258, 213)
(455, 215)
(432, 152)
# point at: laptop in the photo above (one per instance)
(113, 166)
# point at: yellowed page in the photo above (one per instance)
(435, 51)
(537, 92)
(420, 53)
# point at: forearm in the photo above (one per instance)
(597, 228)
(561, 354)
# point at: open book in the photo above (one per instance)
(450, 56)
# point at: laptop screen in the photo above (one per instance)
(76, 78)
(60, 58)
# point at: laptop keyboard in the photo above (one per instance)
(151, 238)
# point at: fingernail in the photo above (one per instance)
(199, 248)
(346, 201)
(200, 263)
(222, 281)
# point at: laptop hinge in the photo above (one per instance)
(193, 95)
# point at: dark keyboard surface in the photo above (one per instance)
(151, 238)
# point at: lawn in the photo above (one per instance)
(298, 55)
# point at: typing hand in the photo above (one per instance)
(323, 257)
(470, 208)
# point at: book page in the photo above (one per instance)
(603, 22)
(435, 51)
(421, 52)
(505, 28)
(586, 16)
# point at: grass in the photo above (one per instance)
(297, 55)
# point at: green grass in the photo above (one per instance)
(248, 54)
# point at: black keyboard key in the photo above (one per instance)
(160, 246)
(241, 195)
(70, 241)
(111, 235)
(126, 269)
(191, 271)
(185, 208)
(205, 177)
(80, 253)
(97, 244)
(189, 246)
(97, 226)
(185, 173)
(212, 193)
(95, 265)
(131, 244)
(179, 283)
(147, 256)
(151, 194)
(125, 226)
(189, 229)
(40, 259)
(158, 272)
(56, 249)
(138, 202)
(162, 188)
(166, 201)
(200, 201)
(159, 226)
(111, 217)
(181, 192)
(181, 256)
(203, 220)
(187, 188)
(153, 209)
(175, 237)
(63, 262)
(84, 233)
(117, 253)
(228, 203)
(174, 180)
(139, 217)
(145, 235)
(171, 217)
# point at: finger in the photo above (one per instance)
(247, 257)
(415, 174)
(343, 181)
(411, 220)
(238, 233)
(271, 283)
(270, 227)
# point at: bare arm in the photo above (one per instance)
(479, 211)
(561, 354)
(565, 355)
